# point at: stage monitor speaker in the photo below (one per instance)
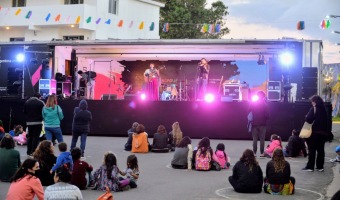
(273, 95)
(130, 97)
(109, 97)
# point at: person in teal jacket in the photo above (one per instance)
(52, 114)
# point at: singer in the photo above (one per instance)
(152, 82)
(202, 78)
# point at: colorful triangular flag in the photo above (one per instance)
(57, 18)
(98, 20)
(152, 26)
(141, 26)
(166, 27)
(48, 17)
(120, 23)
(131, 24)
(78, 20)
(108, 21)
(88, 20)
(205, 28)
(218, 28)
(18, 12)
(29, 14)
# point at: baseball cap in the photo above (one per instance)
(337, 149)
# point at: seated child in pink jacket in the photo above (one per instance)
(221, 157)
(20, 135)
(274, 144)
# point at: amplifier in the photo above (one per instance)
(232, 90)
(47, 87)
(108, 97)
(274, 91)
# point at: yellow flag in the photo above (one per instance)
(17, 12)
(78, 20)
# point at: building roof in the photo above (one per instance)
(156, 3)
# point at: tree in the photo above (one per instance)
(186, 18)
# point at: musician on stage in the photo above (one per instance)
(202, 79)
(152, 80)
(89, 78)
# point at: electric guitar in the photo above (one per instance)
(153, 74)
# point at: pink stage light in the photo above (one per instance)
(143, 96)
(255, 98)
(209, 98)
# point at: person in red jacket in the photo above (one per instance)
(80, 170)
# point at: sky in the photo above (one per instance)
(274, 19)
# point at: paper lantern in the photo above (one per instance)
(120, 23)
(152, 26)
(300, 25)
(78, 20)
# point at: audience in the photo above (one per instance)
(9, 158)
(80, 170)
(160, 140)
(296, 146)
(24, 184)
(247, 174)
(81, 125)
(64, 158)
(337, 158)
(278, 180)
(132, 171)
(44, 154)
(221, 157)
(183, 155)
(175, 135)
(140, 143)
(20, 135)
(62, 189)
(275, 142)
(128, 145)
(203, 155)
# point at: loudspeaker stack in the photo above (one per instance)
(309, 82)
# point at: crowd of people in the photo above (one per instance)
(67, 174)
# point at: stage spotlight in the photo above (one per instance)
(143, 96)
(255, 98)
(20, 57)
(286, 58)
(209, 98)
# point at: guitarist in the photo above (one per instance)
(152, 80)
(202, 79)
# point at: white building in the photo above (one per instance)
(46, 20)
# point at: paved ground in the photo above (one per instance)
(159, 181)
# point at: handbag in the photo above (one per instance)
(106, 196)
(306, 130)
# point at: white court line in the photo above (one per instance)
(217, 192)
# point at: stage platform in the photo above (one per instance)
(217, 120)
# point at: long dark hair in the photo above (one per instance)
(204, 145)
(279, 160)
(110, 161)
(133, 161)
(221, 147)
(248, 159)
(317, 100)
(7, 142)
(43, 151)
(184, 142)
(140, 128)
(29, 163)
(161, 129)
(64, 174)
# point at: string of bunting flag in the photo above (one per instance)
(205, 28)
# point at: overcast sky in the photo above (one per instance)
(273, 19)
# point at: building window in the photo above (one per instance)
(18, 39)
(113, 7)
(74, 2)
(18, 3)
(73, 37)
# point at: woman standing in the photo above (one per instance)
(81, 125)
(44, 154)
(10, 158)
(247, 174)
(52, 114)
(278, 179)
(24, 184)
(316, 142)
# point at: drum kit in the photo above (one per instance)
(177, 91)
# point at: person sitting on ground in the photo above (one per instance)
(20, 135)
(221, 157)
(175, 135)
(296, 146)
(80, 170)
(275, 142)
(140, 143)
(24, 183)
(131, 172)
(107, 174)
(62, 189)
(160, 140)
(183, 154)
(278, 180)
(44, 154)
(247, 174)
(64, 158)
(10, 158)
(128, 145)
(203, 155)
(337, 158)
(2, 130)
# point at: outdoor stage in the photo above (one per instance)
(217, 120)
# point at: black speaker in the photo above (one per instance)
(109, 97)
(130, 97)
(309, 72)
(309, 82)
(307, 92)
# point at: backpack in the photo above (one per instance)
(203, 162)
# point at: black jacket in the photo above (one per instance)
(260, 113)
(160, 141)
(43, 173)
(295, 146)
(33, 111)
(319, 119)
(81, 118)
(246, 180)
(277, 177)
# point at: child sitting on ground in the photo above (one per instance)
(64, 158)
(296, 146)
(80, 170)
(131, 172)
(20, 135)
(275, 142)
(221, 157)
(337, 158)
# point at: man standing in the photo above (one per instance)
(259, 112)
(89, 78)
(33, 112)
(202, 79)
(152, 80)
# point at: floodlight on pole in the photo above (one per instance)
(338, 32)
(332, 16)
(20, 57)
(286, 58)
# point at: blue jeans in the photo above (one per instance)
(56, 131)
(83, 137)
(202, 87)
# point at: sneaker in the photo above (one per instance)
(334, 160)
(307, 170)
(262, 156)
(126, 188)
(320, 170)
